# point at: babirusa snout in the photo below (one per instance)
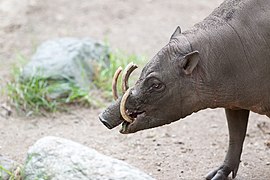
(111, 117)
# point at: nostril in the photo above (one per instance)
(109, 126)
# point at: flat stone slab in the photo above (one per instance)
(58, 159)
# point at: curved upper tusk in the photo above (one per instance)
(123, 112)
(128, 70)
(114, 82)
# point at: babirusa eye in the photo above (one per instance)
(157, 86)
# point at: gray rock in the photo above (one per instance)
(53, 158)
(6, 165)
(67, 59)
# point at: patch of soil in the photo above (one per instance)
(186, 149)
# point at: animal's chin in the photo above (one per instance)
(135, 125)
(144, 121)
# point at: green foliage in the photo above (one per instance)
(3, 170)
(12, 175)
(36, 95)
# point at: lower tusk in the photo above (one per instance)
(123, 108)
(114, 83)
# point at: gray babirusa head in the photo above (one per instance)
(164, 93)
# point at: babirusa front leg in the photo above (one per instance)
(237, 124)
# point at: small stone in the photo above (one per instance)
(150, 136)
(186, 150)
(214, 126)
(268, 144)
(76, 122)
(167, 135)
(179, 142)
(268, 163)
(158, 164)
(5, 110)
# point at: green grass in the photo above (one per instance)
(3, 170)
(12, 175)
(34, 96)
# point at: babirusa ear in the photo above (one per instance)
(176, 33)
(190, 61)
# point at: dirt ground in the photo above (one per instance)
(185, 150)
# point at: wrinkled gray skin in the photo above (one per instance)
(223, 61)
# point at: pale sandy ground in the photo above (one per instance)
(185, 150)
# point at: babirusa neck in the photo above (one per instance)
(212, 77)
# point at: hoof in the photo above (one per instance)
(222, 173)
(218, 175)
